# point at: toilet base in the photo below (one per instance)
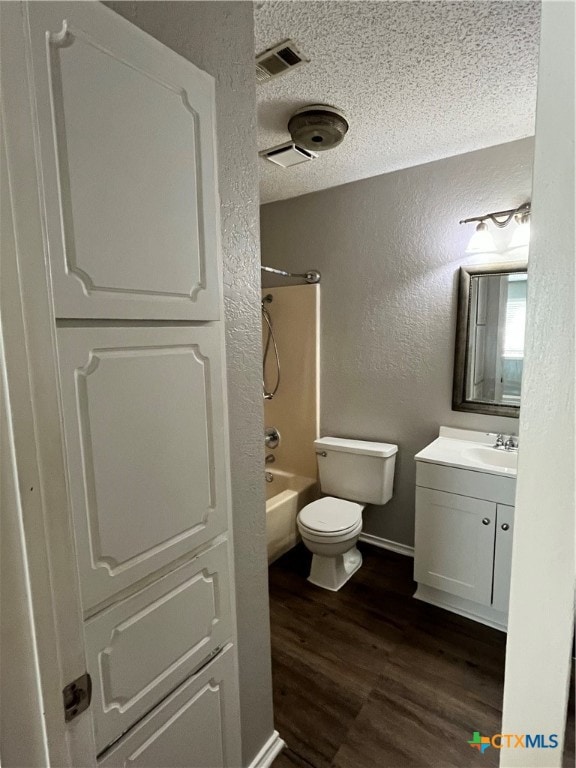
(333, 572)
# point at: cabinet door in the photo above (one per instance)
(126, 134)
(194, 727)
(144, 426)
(141, 648)
(454, 544)
(503, 557)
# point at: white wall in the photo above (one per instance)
(389, 249)
(219, 38)
(542, 592)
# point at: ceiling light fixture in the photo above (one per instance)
(318, 127)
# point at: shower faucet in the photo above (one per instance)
(271, 437)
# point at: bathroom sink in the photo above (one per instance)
(469, 450)
(492, 457)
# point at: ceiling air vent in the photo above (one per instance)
(278, 60)
(288, 154)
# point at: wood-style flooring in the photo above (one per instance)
(368, 677)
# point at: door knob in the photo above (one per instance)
(486, 521)
(505, 527)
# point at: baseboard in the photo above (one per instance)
(269, 752)
(393, 546)
(482, 613)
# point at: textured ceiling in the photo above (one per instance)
(418, 81)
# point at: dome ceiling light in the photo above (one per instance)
(318, 127)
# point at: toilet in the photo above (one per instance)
(354, 473)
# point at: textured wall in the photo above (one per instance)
(389, 249)
(541, 618)
(219, 38)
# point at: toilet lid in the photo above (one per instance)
(331, 515)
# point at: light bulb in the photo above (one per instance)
(521, 236)
(482, 240)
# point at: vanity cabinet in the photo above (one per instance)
(463, 541)
(464, 546)
(455, 544)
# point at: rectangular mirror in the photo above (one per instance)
(490, 339)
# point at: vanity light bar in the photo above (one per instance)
(503, 218)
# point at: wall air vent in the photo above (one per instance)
(288, 154)
(277, 60)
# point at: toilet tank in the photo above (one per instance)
(356, 469)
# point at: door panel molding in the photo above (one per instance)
(200, 715)
(144, 646)
(96, 356)
(130, 265)
(146, 458)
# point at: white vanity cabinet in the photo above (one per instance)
(455, 544)
(463, 539)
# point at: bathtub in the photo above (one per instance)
(285, 497)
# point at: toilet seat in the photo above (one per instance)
(330, 538)
(331, 517)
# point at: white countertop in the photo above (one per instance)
(465, 449)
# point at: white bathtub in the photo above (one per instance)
(285, 497)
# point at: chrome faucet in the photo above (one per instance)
(271, 437)
(503, 443)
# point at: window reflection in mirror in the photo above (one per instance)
(490, 339)
(496, 343)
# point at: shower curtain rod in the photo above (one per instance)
(313, 276)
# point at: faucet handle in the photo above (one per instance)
(271, 437)
(511, 443)
(499, 441)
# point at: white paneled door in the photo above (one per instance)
(124, 157)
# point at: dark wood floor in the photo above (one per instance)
(368, 677)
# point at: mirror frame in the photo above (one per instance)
(459, 401)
